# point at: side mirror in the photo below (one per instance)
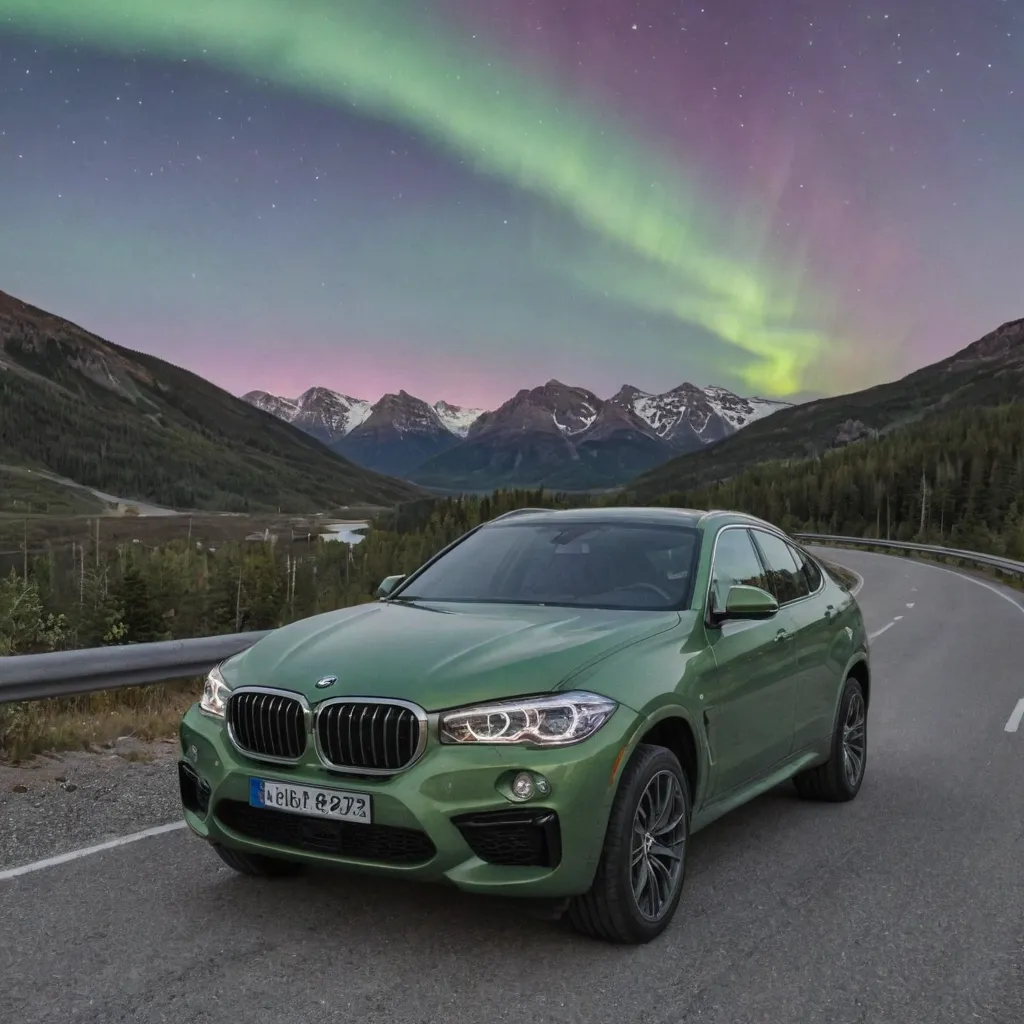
(388, 584)
(743, 602)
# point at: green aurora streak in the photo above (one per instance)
(379, 58)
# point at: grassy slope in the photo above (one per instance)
(140, 428)
(23, 492)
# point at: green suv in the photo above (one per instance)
(549, 708)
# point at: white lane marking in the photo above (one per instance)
(879, 632)
(1013, 723)
(87, 851)
(971, 579)
(910, 604)
(896, 618)
(959, 575)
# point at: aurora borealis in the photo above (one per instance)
(466, 197)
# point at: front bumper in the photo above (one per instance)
(445, 819)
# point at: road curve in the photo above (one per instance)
(906, 905)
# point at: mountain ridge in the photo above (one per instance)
(556, 435)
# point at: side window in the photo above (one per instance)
(736, 562)
(809, 569)
(786, 579)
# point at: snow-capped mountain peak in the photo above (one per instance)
(332, 411)
(688, 414)
(741, 412)
(399, 431)
(456, 418)
(325, 414)
(282, 408)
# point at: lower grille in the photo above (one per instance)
(195, 791)
(521, 838)
(384, 844)
(376, 737)
(267, 724)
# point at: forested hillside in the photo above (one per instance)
(987, 373)
(138, 427)
(955, 478)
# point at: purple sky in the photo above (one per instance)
(779, 198)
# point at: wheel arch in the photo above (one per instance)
(857, 668)
(860, 670)
(673, 728)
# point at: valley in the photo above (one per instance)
(122, 435)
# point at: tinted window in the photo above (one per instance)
(736, 562)
(810, 570)
(786, 579)
(598, 565)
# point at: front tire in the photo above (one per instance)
(256, 865)
(640, 876)
(839, 779)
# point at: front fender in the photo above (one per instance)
(658, 679)
(647, 723)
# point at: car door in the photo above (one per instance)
(748, 698)
(799, 588)
(819, 673)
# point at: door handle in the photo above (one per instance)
(783, 634)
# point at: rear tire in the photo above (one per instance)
(839, 779)
(257, 865)
(639, 881)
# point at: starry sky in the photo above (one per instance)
(467, 197)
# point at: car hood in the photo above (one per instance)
(439, 656)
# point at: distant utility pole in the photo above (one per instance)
(924, 503)
(238, 602)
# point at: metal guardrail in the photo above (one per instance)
(70, 673)
(1007, 565)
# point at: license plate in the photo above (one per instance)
(337, 804)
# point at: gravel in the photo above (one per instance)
(58, 803)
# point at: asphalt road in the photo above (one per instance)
(906, 905)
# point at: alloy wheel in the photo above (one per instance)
(854, 739)
(658, 845)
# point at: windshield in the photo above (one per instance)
(594, 565)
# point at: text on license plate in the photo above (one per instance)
(325, 803)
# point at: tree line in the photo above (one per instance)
(955, 479)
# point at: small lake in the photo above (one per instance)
(348, 533)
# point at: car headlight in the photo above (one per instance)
(551, 720)
(215, 693)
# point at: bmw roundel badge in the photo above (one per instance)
(322, 684)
